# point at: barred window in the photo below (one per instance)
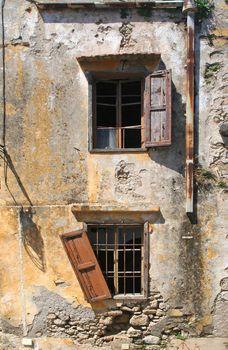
(120, 252)
(110, 260)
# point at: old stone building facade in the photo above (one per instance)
(86, 148)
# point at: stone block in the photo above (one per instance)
(139, 320)
(175, 313)
(151, 339)
(134, 333)
(115, 313)
(125, 346)
(154, 304)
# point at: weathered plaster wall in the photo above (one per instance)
(50, 168)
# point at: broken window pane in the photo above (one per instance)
(118, 114)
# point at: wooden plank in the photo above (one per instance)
(85, 265)
(158, 109)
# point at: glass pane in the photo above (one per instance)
(131, 115)
(92, 234)
(138, 263)
(106, 235)
(129, 266)
(121, 285)
(106, 116)
(138, 285)
(101, 235)
(106, 88)
(106, 138)
(110, 262)
(132, 138)
(131, 99)
(131, 88)
(129, 285)
(110, 281)
(102, 260)
(129, 231)
(120, 261)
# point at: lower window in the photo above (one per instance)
(120, 251)
(109, 260)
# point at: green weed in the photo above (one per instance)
(204, 9)
(222, 184)
(211, 70)
(145, 11)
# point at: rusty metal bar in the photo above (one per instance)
(190, 10)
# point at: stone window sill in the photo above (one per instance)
(119, 150)
(129, 297)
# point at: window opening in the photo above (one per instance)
(120, 253)
(118, 114)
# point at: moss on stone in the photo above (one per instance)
(145, 11)
(124, 13)
(211, 70)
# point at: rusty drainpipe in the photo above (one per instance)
(189, 8)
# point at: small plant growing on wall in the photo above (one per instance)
(222, 184)
(205, 178)
(145, 11)
(211, 70)
(204, 9)
(124, 13)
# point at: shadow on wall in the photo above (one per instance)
(32, 239)
(8, 164)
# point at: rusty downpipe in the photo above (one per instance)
(189, 8)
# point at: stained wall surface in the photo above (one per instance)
(48, 175)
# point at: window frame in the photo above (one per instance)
(160, 116)
(93, 78)
(144, 263)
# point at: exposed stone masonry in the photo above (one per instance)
(138, 322)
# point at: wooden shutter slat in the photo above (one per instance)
(158, 109)
(85, 265)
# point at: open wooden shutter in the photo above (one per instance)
(85, 265)
(158, 109)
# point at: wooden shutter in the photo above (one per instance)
(158, 109)
(85, 265)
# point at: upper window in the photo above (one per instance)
(131, 112)
(118, 111)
